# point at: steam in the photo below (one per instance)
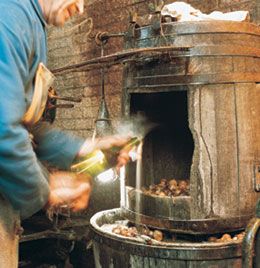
(135, 126)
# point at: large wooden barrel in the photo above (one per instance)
(113, 251)
(213, 52)
(217, 64)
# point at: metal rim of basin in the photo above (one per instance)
(189, 250)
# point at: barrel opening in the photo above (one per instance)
(168, 148)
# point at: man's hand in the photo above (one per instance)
(69, 189)
(106, 143)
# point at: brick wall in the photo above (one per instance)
(72, 44)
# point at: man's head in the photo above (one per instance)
(57, 12)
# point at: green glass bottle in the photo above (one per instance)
(101, 160)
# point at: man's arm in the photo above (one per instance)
(22, 180)
(54, 146)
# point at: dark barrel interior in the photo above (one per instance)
(168, 148)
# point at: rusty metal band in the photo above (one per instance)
(195, 227)
(150, 84)
(204, 27)
(199, 51)
(224, 50)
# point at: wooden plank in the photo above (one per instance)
(225, 188)
(136, 261)
(248, 124)
(200, 177)
(214, 170)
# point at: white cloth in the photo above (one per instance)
(43, 80)
(185, 12)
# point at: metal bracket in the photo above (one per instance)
(101, 38)
(257, 177)
(130, 33)
(156, 22)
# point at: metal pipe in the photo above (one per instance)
(64, 98)
(65, 235)
(64, 106)
(116, 35)
(105, 36)
(102, 38)
(249, 243)
(248, 247)
(122, 55)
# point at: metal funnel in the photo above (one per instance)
(103, 125)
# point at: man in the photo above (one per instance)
(25, 185)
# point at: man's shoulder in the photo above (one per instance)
(16, 15)
(15, 10)
(16, 4)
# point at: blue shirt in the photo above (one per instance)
(23, 180)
